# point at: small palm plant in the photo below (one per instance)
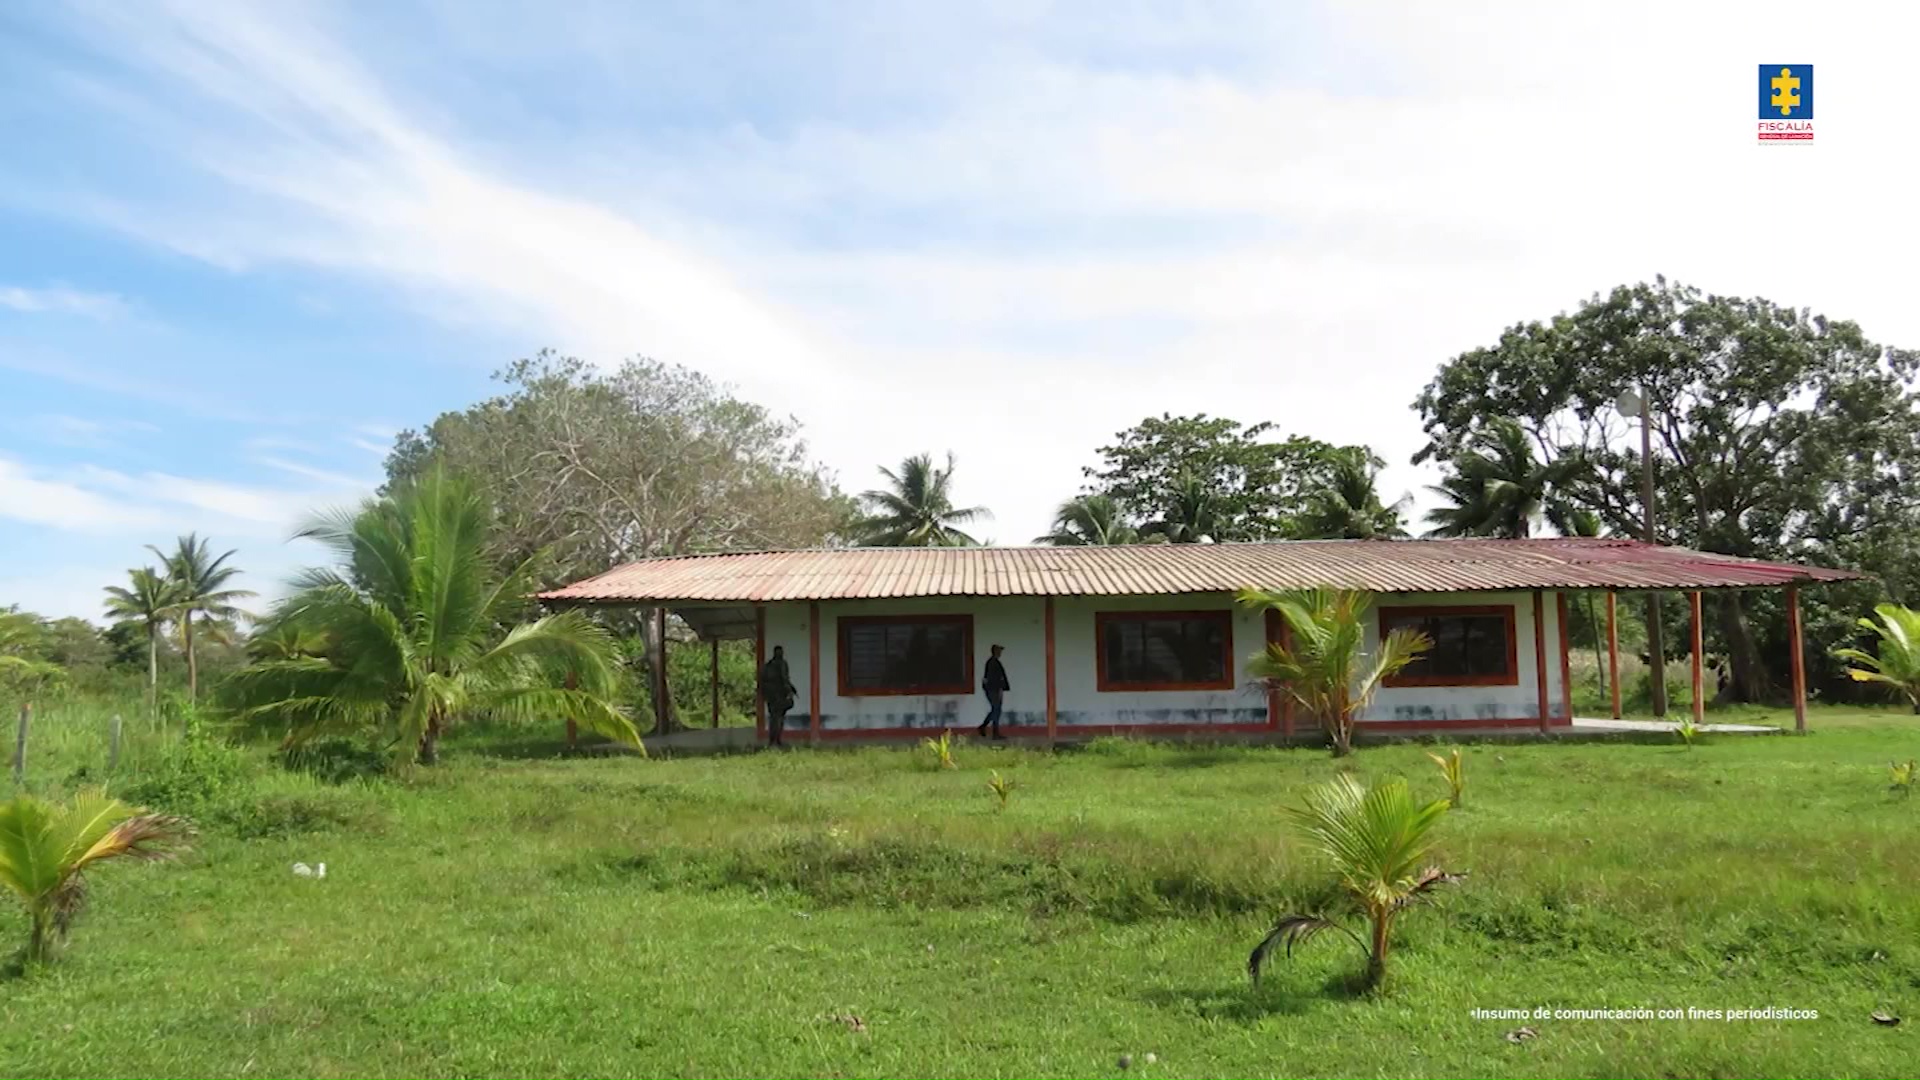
(1898, 661)
(1688, 731)
(1327, 667)
(1904, 774)
(1376, 839)
(45, 851)
(1001, 787)
(1454, 770)
(941, 749)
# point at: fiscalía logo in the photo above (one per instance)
(1786, 102)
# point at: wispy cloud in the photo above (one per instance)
(62, 301)
(74, 432)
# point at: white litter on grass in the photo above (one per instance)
(301, 869)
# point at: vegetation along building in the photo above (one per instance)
(1148, 639)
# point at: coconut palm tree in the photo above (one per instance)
(1090, 521)
(22, 643)
(1376, 840)
(46, 850)
(1348, 505)
(148, 602)
(916, 508)
(1191, 516)
(199, 583)
(1326, 666)
(1896, 660)
(1500, 487)
(414, 625)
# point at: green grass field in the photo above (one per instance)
(517, 913)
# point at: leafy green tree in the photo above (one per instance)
(147, 603)
(1090, 521)
(590, 468)
(46, 851)
(199, 584)
(1191, 515)
(23, 662)
(1376, 839)
(1257, 485)
(1326, 667)
(1896, 659)
(1347, 504)
(422, 631)
(1777, 433)
(916, 508)
(1498, 486)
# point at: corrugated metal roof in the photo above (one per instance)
(1160, 569)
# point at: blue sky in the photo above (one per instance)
(242, 244)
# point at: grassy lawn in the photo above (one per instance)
(513, 912)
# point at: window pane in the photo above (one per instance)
(1170, 649)
(1465, 646)
(904, 656)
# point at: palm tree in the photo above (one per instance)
(1192, 515)
(1348, 505)
(199, 584)
(45, 851)
(1376, 840)
(22, 639)
(412, 633)
(1090, 521)
(916, 509)
(1499, 487)
(1897, 663)
(148, 601)
(1325, 667)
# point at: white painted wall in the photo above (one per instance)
(1018, 624)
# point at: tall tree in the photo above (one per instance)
(199, 584)
(1090, 521)
(1777, 433)
(1347, 505)
(1190, 515)
(1498, 486)
(146, 602)
(1258, 485)
(916, 508)
(417, 630)
(591, 468)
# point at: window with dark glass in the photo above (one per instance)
(1164, 650)
(1472, 646)
(908, 654)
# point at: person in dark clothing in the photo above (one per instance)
(777, 690)
(995, 683)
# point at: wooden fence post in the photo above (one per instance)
(20, 745)
(113, 744)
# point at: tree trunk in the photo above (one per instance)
(658, 689)
(1377, 959)
(193, 665)
(1748, 680)
(430, 743)
(40, 938)
(153, 673)
(1656, 658)
(1599, 656)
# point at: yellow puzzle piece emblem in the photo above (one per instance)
(1786, 91)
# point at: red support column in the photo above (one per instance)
(1799, 660)
(1566, 654)
(1540, 653)
(1699, 678)
(1053, 701)
(1274, 693)
(1286, 705)
(714, 671)
(759, 664)
(1613, 650)
(813, 672)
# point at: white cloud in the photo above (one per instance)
(1334, 239)
(59, 300)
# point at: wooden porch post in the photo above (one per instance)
(1699, 678)
(759, 664)
(1540, 653)
(573, 729)
(1286, 701)
(714, 671)
(813, 671)
(1613, 649)
(1053, 700)
(1799, 660)
(1273, 692)
(660, 675)
(1566, 653)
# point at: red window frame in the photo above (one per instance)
(1104, 683)
(844, 629)
(1508, 612)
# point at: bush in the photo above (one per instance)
(335, 761)
(192, 775)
